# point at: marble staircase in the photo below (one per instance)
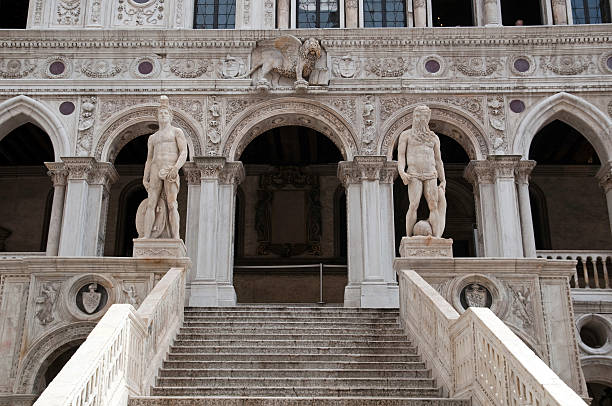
(293, 355)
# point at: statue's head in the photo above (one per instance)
(420, 118)
(312, 48)
(164, 115)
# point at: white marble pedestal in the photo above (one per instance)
(159, 248)
(426, 246)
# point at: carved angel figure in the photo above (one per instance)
(287, 58)
(46, 300)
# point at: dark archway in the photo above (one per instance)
(13, 14)
(26, 189)
(289, 214)
(568, 194)
(460, 215)
(600, 393)
(53, 364)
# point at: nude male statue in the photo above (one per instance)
(419, 150)
(167, 153)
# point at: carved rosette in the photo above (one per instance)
(57, 172)
(523, 171)
(604, 175)
(16, 68)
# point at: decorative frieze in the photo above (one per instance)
(68, 12)
(389, 67)
(345, 66)
(567, 65)
(16, 68)
(101, 68)
(477, 66)
(390, 105)
(189, 68)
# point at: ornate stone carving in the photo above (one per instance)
(46, 301)
(346, 106)
(231, 67)
(131, 295)
(345, 66)
(101, 69)
(269, 14)
(209, 167)
(38, 8)
(192, 173)
(66, 73)
(57, 172)
(68, 12)
(178, 18)
(79, 168)
(16, 68)
(214, 120)
(369, 120)
(86, 122)
(568, 64)
(497, 120)
(94, 14)
(232, 173)
(246, 12)
(388, 67)
(476, 295)
(135, 14)
(157, 215)
(523, 171)
(521, 305)
(478, 172)
(477, 66)
(390, 105)
(189, 68)
(286, 57)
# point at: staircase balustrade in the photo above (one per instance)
(121, 356)
(593, 268)
(476, 353)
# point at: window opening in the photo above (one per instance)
(591, 11)
(384, 13)
(452, 13)
(521, 12)
(318, 14)
(215, 14)
(13, 14)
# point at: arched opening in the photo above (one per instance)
(289, 214)
(568, 194)
(460, 214)
(452, 13)
(13, 14)
(521, 12)
(53, 364)
(26, 189)
(600, 393)
(128, 192)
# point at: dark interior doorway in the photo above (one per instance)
(13, 14)
(452, 13)
(527, 11)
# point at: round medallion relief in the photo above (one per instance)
(66, 108)
(475, 295)
(57, 68)
(521, 65)
(91, 298)
(432, 66)
(145, 67)
(517, 106)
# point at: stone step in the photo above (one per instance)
(294, 391)
(290, 308)
(293, 357)
(298, 373)
(292, 319)
(198, 334)
(296, 401)
(285, 364)
(326, 383)
(297, 331)
(291, 325)
(398, 345)
(189, 349)
(284, 313)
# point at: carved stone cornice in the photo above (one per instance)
(523, 171)
(348, 173)
(232, 173)
(192, 173)
(368, 168)
(604, 176)
(57, 172)
(210, 167)
(389, 172)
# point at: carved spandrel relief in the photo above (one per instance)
(86, 123)
(472, 105)
(568, 65)
(131, 294)
(101, 68)
(388, 67)
(192, 107)
(522, 313)
(46, 299)
(497, 121)
(192, 68)
(478, 66)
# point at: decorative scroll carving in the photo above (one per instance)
(192, 107)
(101, 69)
(388, 67)
(214, 119)
(86, 122)
(189, 68)
(497, 119)
(568, 64)
(16, 68)
(140, 14)
(288, 178)
(68, 12)
(369, 120)
(477, 66)
(390, 105)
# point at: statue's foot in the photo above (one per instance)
(263, 85)
(300, 85)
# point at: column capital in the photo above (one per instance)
(79, 168)
(504, 165)
(604, 176)
(215, 168)
(368, 168)
(57, 172)
(192, 173)
(232, 173)
(523, 171)
(479, 172)
(104, 173)
(210, 167)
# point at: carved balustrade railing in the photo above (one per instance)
(593, 268)
(123, 352)
(476, 355)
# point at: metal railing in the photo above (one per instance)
(319, 265)
(593, 268)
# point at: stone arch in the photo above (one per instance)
(22, 109)
(597, 369)
(450, 120)
(591, 122)
(288, 111)
(44, 347)
(113, 135)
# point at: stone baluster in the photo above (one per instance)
(559, 11)
(59, 175)
(283, 14)
(604, 175)
(491, 13)
(420, 13)
(368, 181)
(480, 175)
(522, 173)
(85, 208)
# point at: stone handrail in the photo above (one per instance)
(476, 355)
(593, 267)
(123, 352)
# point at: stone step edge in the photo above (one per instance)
(297, 401)
(335, 370)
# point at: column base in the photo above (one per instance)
(211, 294)
(159, 248)
(421, 246)
(373, 295)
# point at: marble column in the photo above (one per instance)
(420, 13)
(522, 173)
(192, 175)
(368, 180)
(283, 14)
(85, 207)
(59, 175)
(480, 175)
(492, 12)
(604, 175)
(559, 11)
(212, 283)
(351, 10)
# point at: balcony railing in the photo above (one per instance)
(593, 268)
